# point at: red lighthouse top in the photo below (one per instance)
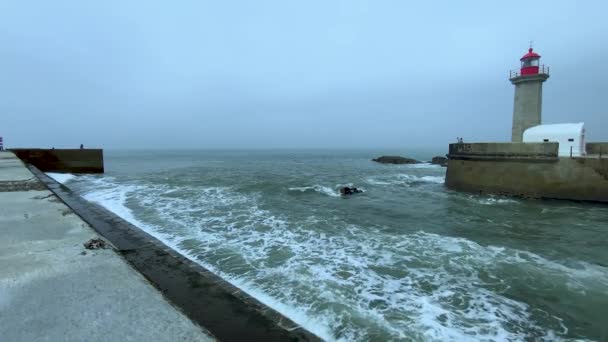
(530, 54)
(529, 63)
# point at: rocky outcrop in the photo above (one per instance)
(443, 161)
(395, 160)
(345, 191)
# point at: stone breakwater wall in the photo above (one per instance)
(597, 148)
(527, 170)
(221, 308)
(63, 160)
(56, 286)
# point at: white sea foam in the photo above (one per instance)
(113, 197)
(377, 182)
(492, 200)
(404, 179)
(416, 286)
(60, 177)
(423, 166)
(433, 179)
(318, 188)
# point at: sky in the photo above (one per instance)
(291, 74)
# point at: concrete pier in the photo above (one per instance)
(49, 286)
(83, 160)
(53, 289)
(532, 170)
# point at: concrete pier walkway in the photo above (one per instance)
(53, 289)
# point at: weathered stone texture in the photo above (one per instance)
(538, 176)
(63, 160)
(527, 104)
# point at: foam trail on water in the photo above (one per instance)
(318, 188)
(494, 200)
(113, 197)
(424, 166)
(405, 179)
(377, 182)
(357, 282)
(433, 179)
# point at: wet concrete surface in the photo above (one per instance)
(15, 177)
(53, 289)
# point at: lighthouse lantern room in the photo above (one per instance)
(530, 63)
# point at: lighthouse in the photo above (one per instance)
(527, 105)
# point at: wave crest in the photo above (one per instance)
(405, 179)
(61, 177)
(325, 190)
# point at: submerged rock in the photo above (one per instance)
(395, 160)
(443, 161)
(345, 191)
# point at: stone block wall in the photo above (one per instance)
(597, 148)
(63, 160)
(504, 150)
(528, 171)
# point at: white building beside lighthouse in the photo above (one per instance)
(570, 136)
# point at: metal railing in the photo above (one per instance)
(542, 69)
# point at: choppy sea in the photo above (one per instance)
(407, 259)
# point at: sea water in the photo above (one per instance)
(407, 259)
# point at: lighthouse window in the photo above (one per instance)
(546, 140)
(529, 63)
(570, 139)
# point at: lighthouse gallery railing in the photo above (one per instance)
(542, 69)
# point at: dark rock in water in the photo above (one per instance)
(345, 191)
(443, 161)
(395, 160)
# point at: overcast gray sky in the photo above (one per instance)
(267, 74)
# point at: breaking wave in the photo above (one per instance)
(317, 188)
(349, 282)
(61, 177)
(404, 179)
(424, 166)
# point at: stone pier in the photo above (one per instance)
(531, 170)
(53, 289)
